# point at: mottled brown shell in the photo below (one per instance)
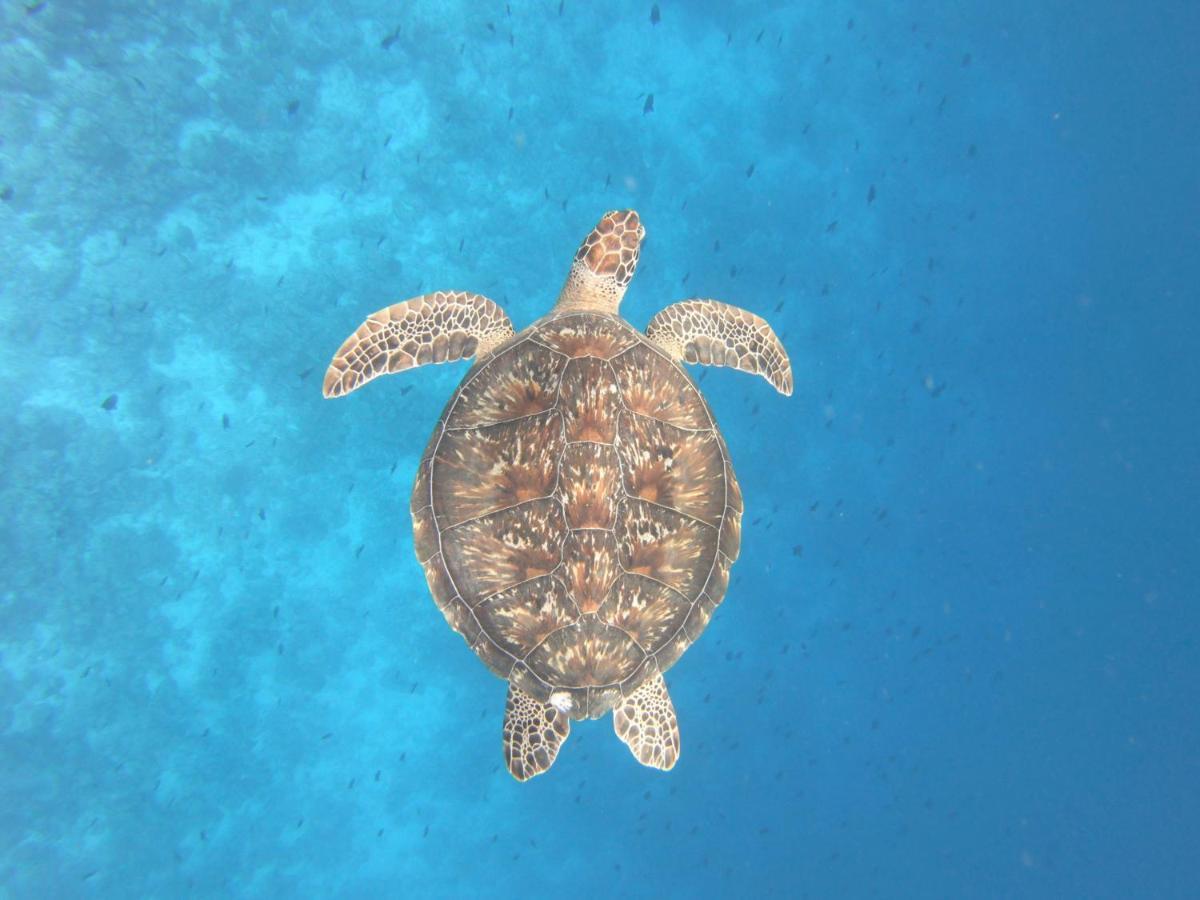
(576, 512)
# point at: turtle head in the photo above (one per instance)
(604, 263)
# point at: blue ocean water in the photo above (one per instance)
(958, 656)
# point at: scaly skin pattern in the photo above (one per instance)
(440, 327)
(716, 334)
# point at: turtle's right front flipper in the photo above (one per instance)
(717, 334)
(440, 327)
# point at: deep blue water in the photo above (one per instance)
(958, 656)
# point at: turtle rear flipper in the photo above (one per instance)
(717, 334)
(440, 327)
(645, 721)
(533, 732)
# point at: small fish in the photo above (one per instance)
(655, 18)
(871, 194)
(560, 6)
(832, 226)
(649, 105)
(750, 170)
(758, 40)
(716, 246)
(461, 241)
(966, 60)
(607, 180)
(6, 193)
(306, 373)
(510, 113)
(110, 403)
(293, 107)
(225, 421)
(387, 140)
(387, 42)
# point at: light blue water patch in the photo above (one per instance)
(958, 652)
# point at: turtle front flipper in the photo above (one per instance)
(533, 732)
(717, 334)
(440, 327)
(645, 721)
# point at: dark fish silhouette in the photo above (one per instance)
(390, 39)
(109, 404)
(750, 170)
(293, 107)
(649, 106)
(871, 194)
(655, 18)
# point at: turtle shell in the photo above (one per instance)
(576, 512)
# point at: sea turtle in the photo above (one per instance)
(576, 512)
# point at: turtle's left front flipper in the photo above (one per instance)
(717, 334)
(440, 327)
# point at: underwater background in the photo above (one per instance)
(958, 655)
